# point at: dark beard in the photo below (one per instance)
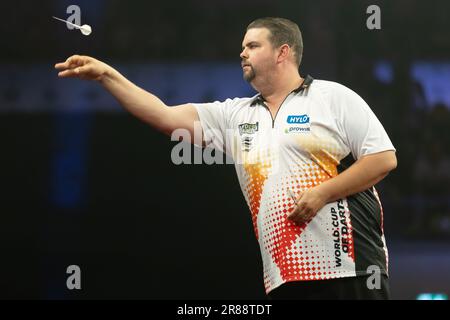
(249, 76)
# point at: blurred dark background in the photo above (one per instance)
(84, 183)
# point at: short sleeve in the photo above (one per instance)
(362, 131)
(214, 122)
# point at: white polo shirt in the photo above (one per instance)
(320, 130)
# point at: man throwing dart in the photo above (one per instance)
(307, 154)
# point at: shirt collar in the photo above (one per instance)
(259, 99)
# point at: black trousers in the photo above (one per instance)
(350, 288)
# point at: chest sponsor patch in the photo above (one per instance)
(248, 128)
(298, 124)
(301, 119)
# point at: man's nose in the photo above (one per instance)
(243, 54)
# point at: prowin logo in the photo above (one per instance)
(297, 129)
(298, 119)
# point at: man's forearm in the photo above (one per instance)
(363, 174)
(142, 104)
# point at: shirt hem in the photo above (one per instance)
(297, 278)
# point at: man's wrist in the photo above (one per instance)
(107, 76)
(324, 192)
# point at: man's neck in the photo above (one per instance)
(278, 88)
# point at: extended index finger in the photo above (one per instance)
(75, 60)
(61, 65)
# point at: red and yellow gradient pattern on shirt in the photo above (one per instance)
(298, 255)
(257, 167)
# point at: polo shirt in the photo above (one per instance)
(320, 130)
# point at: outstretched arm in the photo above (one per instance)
(142, 104)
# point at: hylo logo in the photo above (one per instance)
(298, 119)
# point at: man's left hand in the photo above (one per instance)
(308, 204)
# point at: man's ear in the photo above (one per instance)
(284, 52)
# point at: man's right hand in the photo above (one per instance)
(82, 67)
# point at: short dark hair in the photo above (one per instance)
(282, 31)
